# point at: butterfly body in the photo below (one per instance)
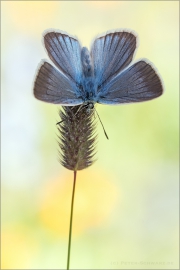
(102, 75)
(87, 87)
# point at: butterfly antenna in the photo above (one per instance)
(102, 124)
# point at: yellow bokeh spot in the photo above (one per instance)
(31, 16)
(95, 197)
(17, 248)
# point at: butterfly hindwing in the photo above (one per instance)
(111, 54)
(139, 82)
(65, 52)
(52, 86)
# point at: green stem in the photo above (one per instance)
(71, 219)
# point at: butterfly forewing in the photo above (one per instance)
(111, 54)
(52, 86)
(139, 82)
(65, 52)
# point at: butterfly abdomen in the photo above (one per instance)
(86, 62)
(88, 80)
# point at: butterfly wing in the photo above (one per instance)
(139, 82)
(111, 54)
(52, 86)
(65, 52)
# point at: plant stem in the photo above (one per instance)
(71, 219)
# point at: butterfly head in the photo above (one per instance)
(89, 107)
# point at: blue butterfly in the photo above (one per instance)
(103, 75)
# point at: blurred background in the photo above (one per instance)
(126, 204)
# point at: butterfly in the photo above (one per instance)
(102, 75)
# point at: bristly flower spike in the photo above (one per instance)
(77, 137)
